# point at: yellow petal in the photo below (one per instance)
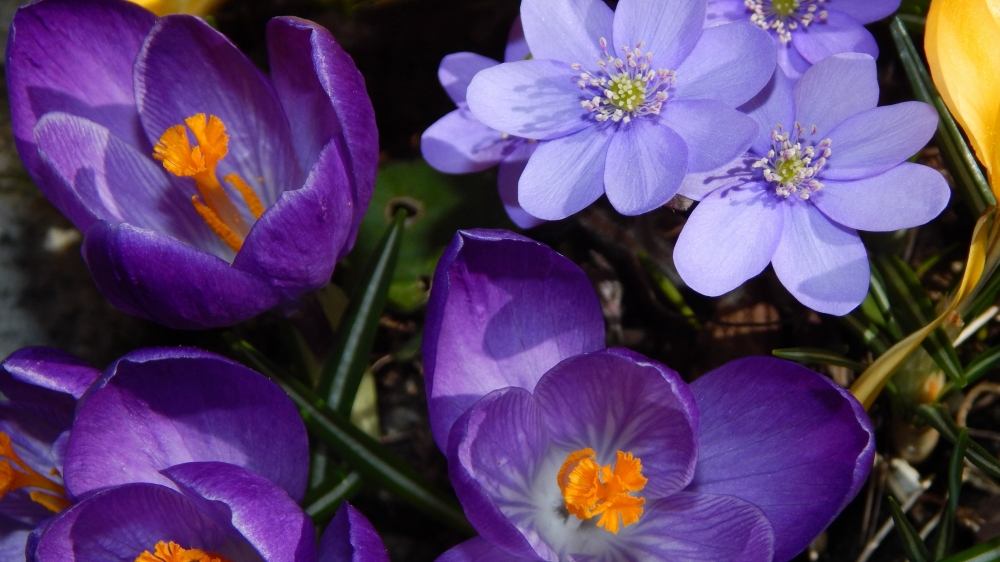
(962, 42)
(871, 382)
(164, 7)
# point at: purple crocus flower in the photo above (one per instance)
(169, 457)
(627, 101)
(40, 388)
(807, 31)
(458, 143)
(207, 192)
(560, 449)
(218, 513)
(825, 164)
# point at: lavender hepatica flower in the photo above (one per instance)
(562, 450)
(458, 143)
(808, 31)
(627, 102)
(207, 191)
(40, 388)
(826, 163)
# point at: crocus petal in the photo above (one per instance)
(517, 45)
(787, 435)
(201, 291)
(823, 264)
(834, 89)
(263, 513)
(730, 63)
(669, 30)
(456, 71)
(713, 132)
(122, 522)
(535, 99)
(310, 225)
(458, 143)
(738, 173)
(867, 11)
(697, 527)
(494, 452)
(324, 97)
(616, 400)
(565, 175)
(50, 369)
(566, 30)
(873, 141)
(503, 310)
(839, 33)
(74, 58)
(961, 41)
(13, 537)
(772, 106)
(729, 238)
(915, 194)
(478, 550)
(645, 165)
(161, 407)
(351, 538)
(185, 68)
(117, 183)
(508, 176)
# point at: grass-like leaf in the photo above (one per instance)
(938, 418)
(341, 375)
(914, 546)
(955, 151)
(817, 355)
(946, 527)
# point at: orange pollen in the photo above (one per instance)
(20, 475)
(212, 202)
(591, 490)
(173, 552)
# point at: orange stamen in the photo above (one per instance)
(590, 490)
(20, 475)
(173, 552)
(249, 196)
(199, 163)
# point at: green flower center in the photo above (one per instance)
(626, 92)
(785, 7)
(789, 169)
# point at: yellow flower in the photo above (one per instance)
(962, 42)
(195, 7)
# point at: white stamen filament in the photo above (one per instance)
(785, 16)
(625, 88)
(793, 162)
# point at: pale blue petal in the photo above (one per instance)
(713, 132)
(669, 30)
(646, 162)
(566, 30)
(823, 264)
(873, 141)
(565, 175)
(730, 63)
(834, 89)
(456, 71)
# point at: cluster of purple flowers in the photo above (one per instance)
(208, 192)
(161, 458)
(716, 101)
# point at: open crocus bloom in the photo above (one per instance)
(458, 143)
(825, 164)
(807, 31)
(627, 102)
(561, 450)
(169, 458)
(40, 388)
(218, 513)
(156, 408)
(207, 192)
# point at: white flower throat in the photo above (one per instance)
(793, 162)
(785, 16)
(626, 87)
